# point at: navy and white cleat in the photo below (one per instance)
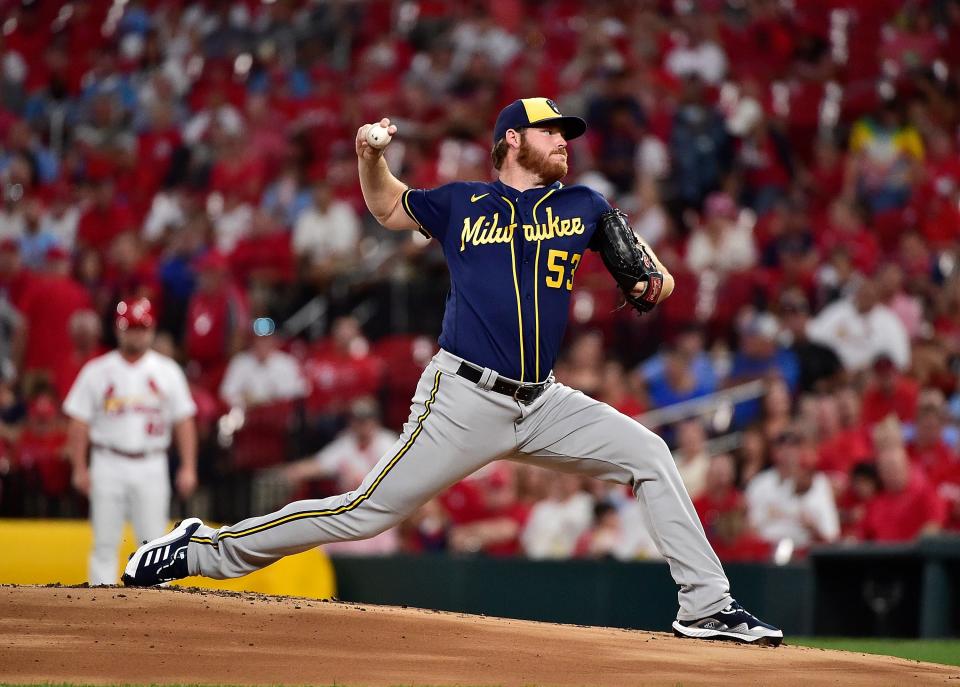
(162, 560)
(733, 624)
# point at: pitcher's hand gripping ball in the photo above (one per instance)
(378, 136)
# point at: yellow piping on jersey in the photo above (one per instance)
(404, 198)
(353, 504)
(536, 284)
(516, 286)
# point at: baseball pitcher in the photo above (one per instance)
(513, 247)
(123, 408)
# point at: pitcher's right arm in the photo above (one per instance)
(382, 192)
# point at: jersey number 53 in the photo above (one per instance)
(558, 262)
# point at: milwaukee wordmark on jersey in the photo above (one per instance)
(512, 257)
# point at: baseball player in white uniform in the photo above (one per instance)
(512, 247)
(123, 408)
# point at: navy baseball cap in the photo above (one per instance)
(536, 112)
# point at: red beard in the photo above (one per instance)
(549, 167)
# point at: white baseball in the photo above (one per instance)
(378, 136)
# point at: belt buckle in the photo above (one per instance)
(536, 390)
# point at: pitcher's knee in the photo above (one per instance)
(647, 452)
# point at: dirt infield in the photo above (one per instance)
(116, 635)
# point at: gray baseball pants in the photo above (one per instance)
(457, 427)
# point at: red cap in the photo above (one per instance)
(133, 313)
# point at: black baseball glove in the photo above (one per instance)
(627, 260)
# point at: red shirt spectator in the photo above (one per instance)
(40, 446)
(341, 369)
(908, 504)
(85, 345)
(890, 393)
(104, 220)
(845, 229)
(216, 321)
(487, 513)
(14, 280)
(48, 305)
(946, 477)
(843, 450)
(723, 513)
(264, 256)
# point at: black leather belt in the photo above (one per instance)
(524, 393)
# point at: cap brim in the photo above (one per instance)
(573, 127)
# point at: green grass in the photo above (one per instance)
(946, 651)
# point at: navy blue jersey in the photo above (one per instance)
(512, 257)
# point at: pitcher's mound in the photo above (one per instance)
(118, 635)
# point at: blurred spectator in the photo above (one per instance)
(752, 455)
(603, 538)
(49, 303)
(340, 369)
(722, 242)
(347, 459)
(695, 53)
(845, 229)
(41, 448)
(862, 486)
(818, 365)
(760, 356)
(14, 279)
(582, 366)
(557, 522)
(497, 529)
(928, 449)
(215, 321)
(233, 217)
(263, 259)
(699, 146)
(889, 392)
(86, 335)
(886, 152)
(692, 456)
(763, 156)
(679, 381)
(947, 480)
(617, 112)
(34, 241)
(859, 328)
(792, 501)
(690, 342)
(841, 446)
(907, 505)
(617, 390)
(104, 219)
(723, 513)
(263, 373)
(62, 217)
(326, 236)
(890, 292)
(287, 197)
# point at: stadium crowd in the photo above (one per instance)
(795, 164)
